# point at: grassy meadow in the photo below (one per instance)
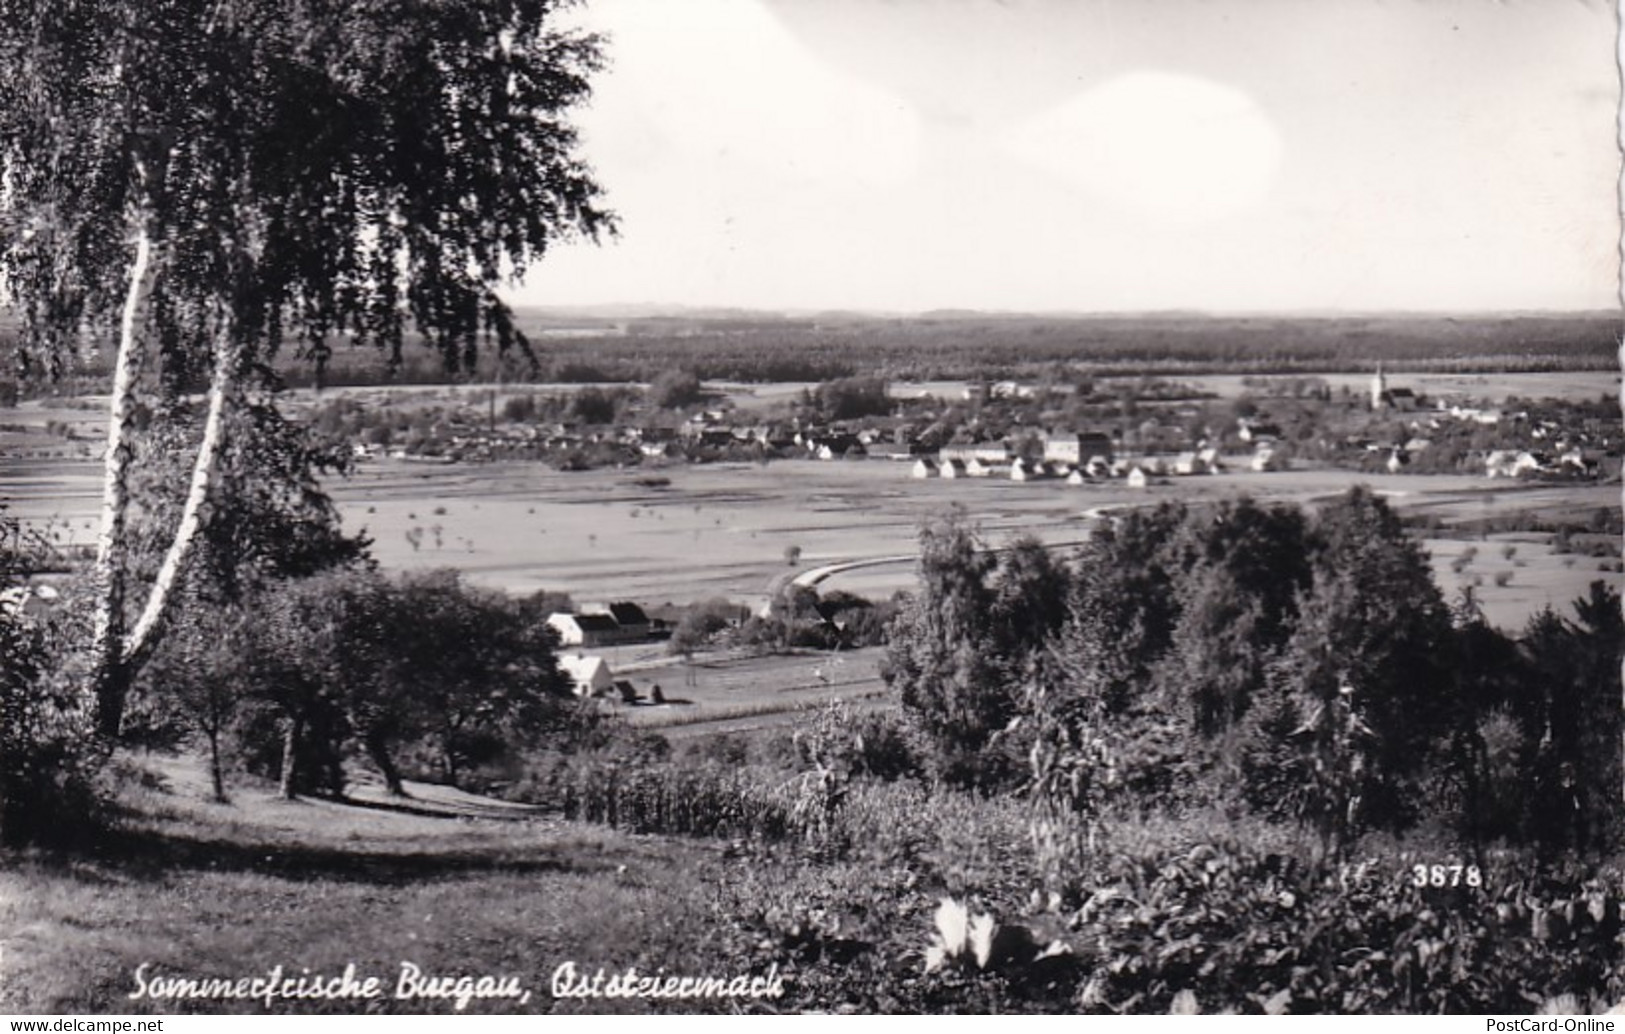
(848, 911)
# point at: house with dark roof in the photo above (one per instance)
(1075, 450)
(632, 622)
(586, 629)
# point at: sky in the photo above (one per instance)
(1101, 156)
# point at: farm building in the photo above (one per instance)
(835, 446)
(1402, 399)
(1586, 461)
(925, 467)
(1027, 470)
(599, 629)
(589, 675)
(1137, 477)
(1075, 449)
(1509, 464)
(1251, 432)
(880, 450)
(1192, 463)
(984, 452)
(661, 450)
(954, 469)
(630, 620)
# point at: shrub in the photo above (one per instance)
(849, 398)
(700, 624)
(674, 389)
(517, 409)
(50, 759)
(1245, 930)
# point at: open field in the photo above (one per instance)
(721, 530)
(752, 691)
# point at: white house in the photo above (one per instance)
(1506, 463)
(1027, 470)
(585, 629)
(1191, 463)
(924, 467)
(591, 675)
(1075, 449)
(985, 452)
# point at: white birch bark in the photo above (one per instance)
(112, 545)
(118, 654)
(197, 495)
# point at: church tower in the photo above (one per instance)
(1379, 387)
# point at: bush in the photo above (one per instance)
(593, 406)
(519, 409)
(700, 624)
(1252, 931)
(875, 745)
(674, 389)
(51, 761)
(849, 398)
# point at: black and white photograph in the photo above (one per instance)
(875, 507)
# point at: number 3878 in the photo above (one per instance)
(1446, 876)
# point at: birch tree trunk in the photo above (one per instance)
(221, 388)
(112, 546)
(119, 656)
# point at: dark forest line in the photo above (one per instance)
(758, 347)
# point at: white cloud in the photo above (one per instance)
(728, 86)
(1171, 147)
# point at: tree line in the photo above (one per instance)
(1300, 665)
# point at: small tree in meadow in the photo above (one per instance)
(942, 658)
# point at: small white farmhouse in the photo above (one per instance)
(591, 675)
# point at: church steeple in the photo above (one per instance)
(1379, 387)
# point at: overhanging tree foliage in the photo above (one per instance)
(192, 184)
